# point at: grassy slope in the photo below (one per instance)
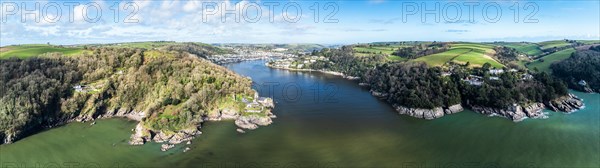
(556, 43)
(383, 50)
(386, 50)
(146, 45)
(526, 48)
(589, 41)
(474, 53)
(549, 59)
(25, 51)
(440, 59)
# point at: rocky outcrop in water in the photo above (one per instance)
(165, 147)
(569, 103)
(516, 112)
(140, 136)
(253, 121)
(535, 110)
(454, 109)
(428, 114)
(143, 135)
(379, 94)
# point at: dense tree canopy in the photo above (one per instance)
(416, 85)
(582, 65)
(172, 87)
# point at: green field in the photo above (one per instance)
(375, 50)
(440, 59)
(157, 44)
(386, 50)
(146, 45)
(530, 49)
(549, 59)
(461, 53)
(25, 51)
(551, 44)
(587, 42)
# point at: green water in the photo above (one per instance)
(341, 126)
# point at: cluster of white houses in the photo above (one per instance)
(478, 80)
(258, 104)
(297, 63)
(249, 53)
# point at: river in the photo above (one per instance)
(327, 121)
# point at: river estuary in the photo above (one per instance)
(327, 121)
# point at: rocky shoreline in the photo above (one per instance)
(253, 122)
(142, 135)
(515, 113)
(568, 104)
(250, 121)
(428, 114)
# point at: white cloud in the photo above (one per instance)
(44, 30)
(192, 6)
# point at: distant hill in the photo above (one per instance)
(25, 51)
(300, 47)
(31, 50)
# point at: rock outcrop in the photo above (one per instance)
(535, 110)
(569, 103)
(428, 114)
(454, 109)
(143, 135)
(379, 94)
(515, 112)
(165, 147)
(252, 122)
(140, 136)
(229, 114)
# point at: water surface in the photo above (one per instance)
(327, 121)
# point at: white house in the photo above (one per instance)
(496, 71)
(582, 83)
(79, 88)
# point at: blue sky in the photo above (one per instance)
(267, 21)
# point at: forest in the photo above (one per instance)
(417, 85)
(580, 66)
(173, 88)
(342, 60)
(413, 85)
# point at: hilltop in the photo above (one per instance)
(170, 89)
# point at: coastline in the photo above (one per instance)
(567, 104)
(314, 70)
(169, 139)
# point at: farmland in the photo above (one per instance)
(145, 45)
(461, 53)
(587, 42)
(543, 64)
(530, 49)
(386, 50)
(551, 44)
(25, 51)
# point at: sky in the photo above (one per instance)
(295, 21)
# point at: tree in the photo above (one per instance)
(486, 66)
